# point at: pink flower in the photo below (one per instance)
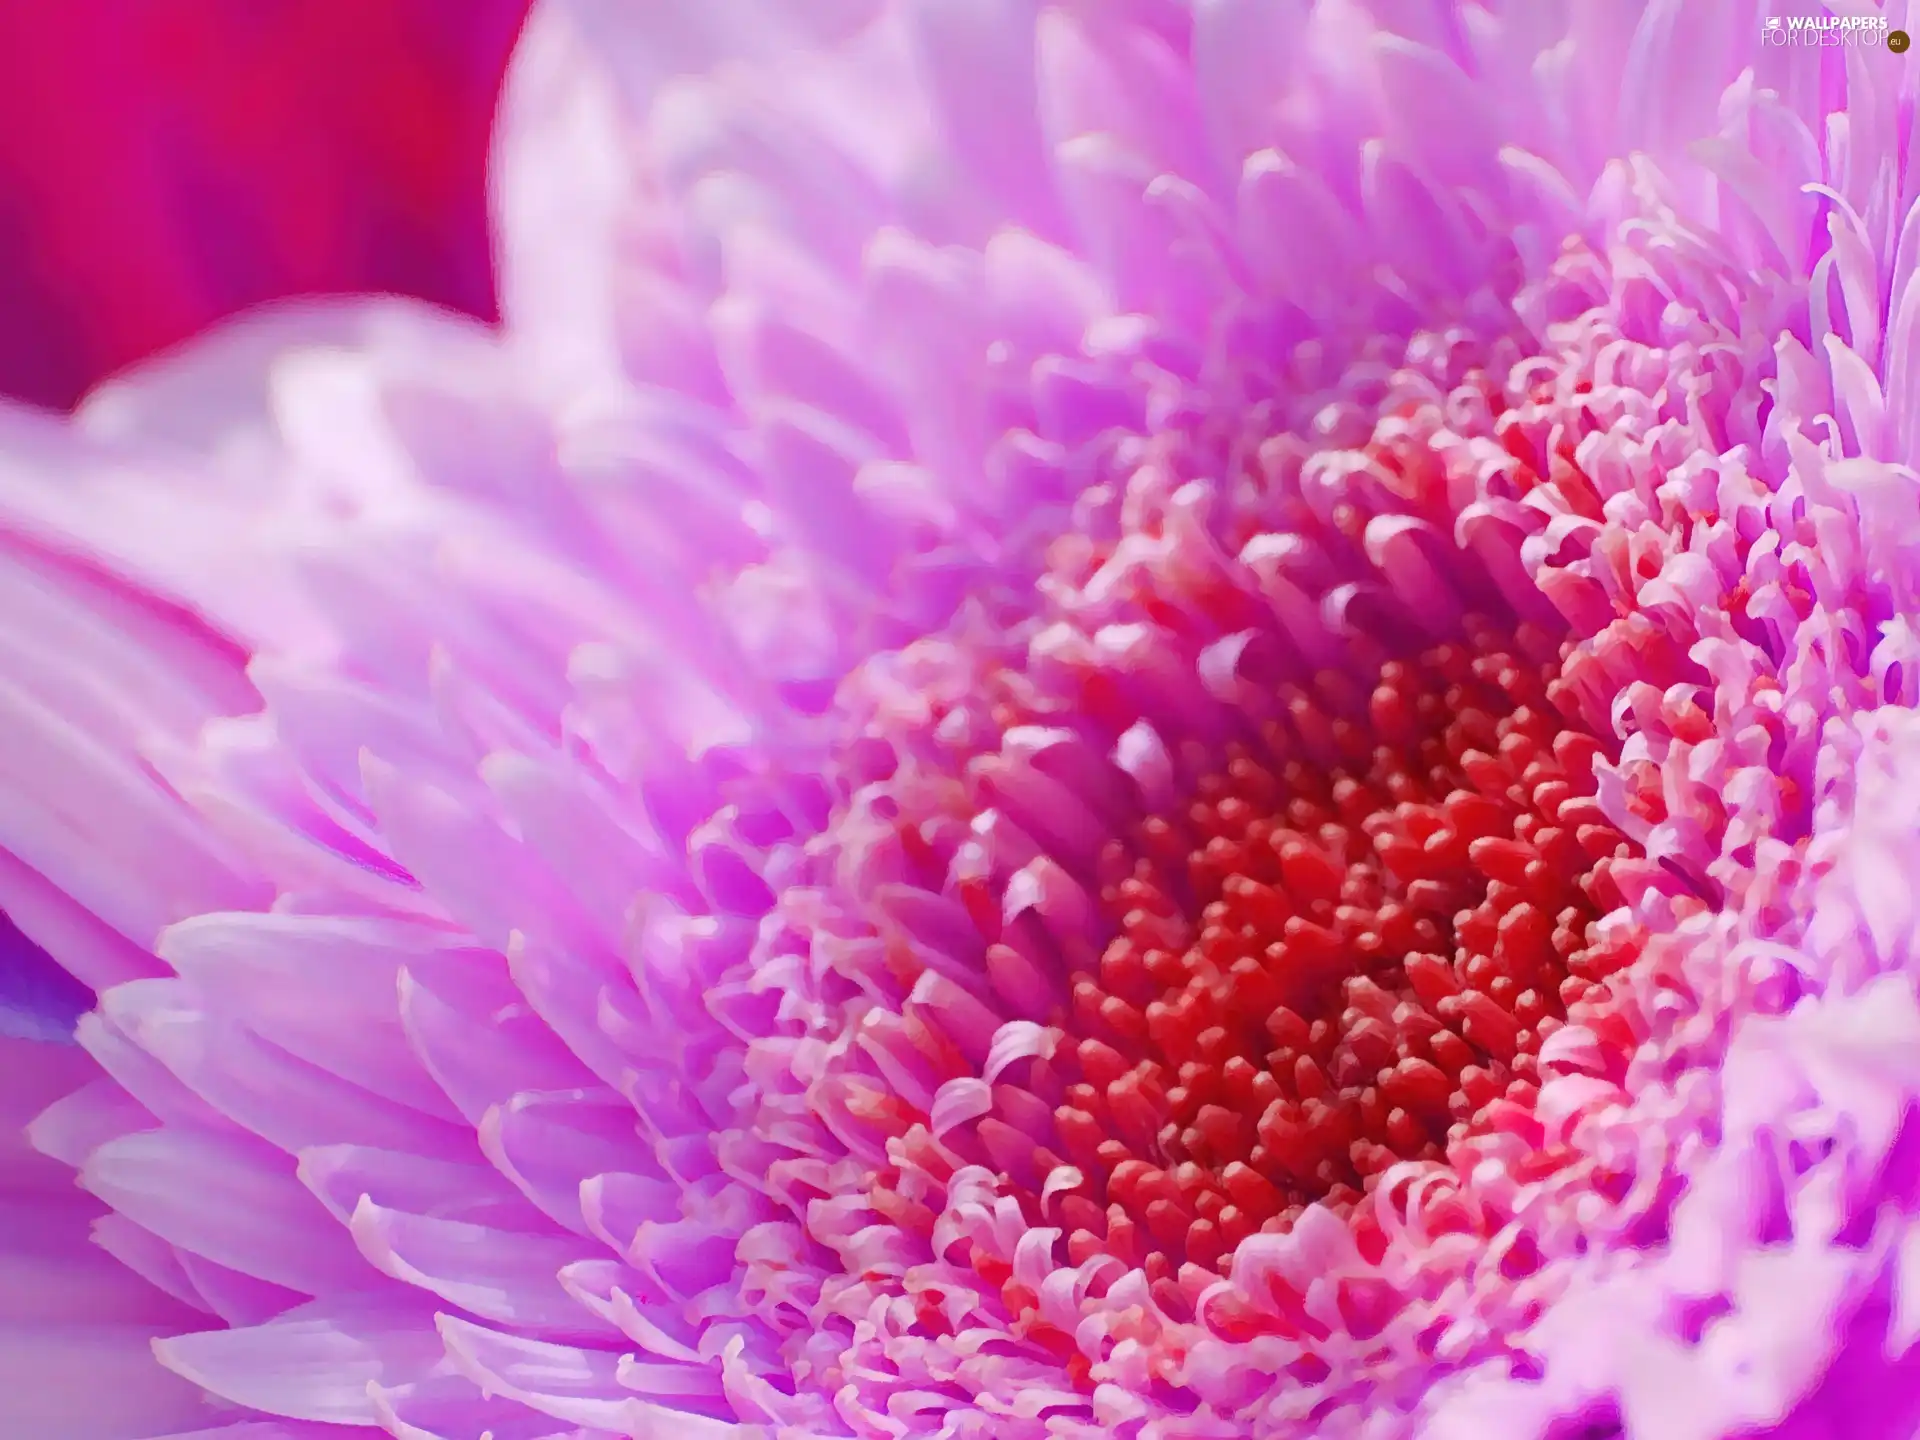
(1178, 722)
(164, 166)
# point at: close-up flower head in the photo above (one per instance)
(1162, 719)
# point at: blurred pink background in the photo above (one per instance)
(164, 163)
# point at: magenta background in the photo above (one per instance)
(164, 163)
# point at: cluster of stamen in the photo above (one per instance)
(1320, 971)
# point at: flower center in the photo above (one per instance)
(1342, 954)
(1256, 876)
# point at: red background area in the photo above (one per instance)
(167, 162)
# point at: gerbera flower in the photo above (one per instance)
(1180, 722)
